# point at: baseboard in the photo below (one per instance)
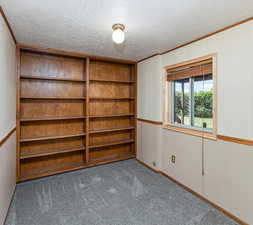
(149, 167)
(230, 215)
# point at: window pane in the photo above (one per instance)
(182, 102)
(203, 101)
(178, 99)
(187, 102)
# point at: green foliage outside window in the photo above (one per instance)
(203, 102)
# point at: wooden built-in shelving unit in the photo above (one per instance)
(73, 112)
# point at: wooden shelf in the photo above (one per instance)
(53, 98)
(113, 115)
(51, 137)
(112, 81)
(110, 159)
(112, 143)
(52, 118)
(51, 78)
(48, 171)
(40, 153)
(105, 99)
(104, 130)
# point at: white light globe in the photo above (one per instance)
(118, 36)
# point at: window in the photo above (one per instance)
(193, 99)
(190, 96)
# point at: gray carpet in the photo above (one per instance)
(122, 193)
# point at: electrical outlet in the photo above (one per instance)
(154, 163)
(173, 159)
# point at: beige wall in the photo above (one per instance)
(149, 150)
(8, 80)
(149, 93)
(7, 175)
(7, 118)
(228, 166)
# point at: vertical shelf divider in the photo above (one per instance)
(87, 109)
(134, 74)
(18, 115)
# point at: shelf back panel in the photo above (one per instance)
(113, 122)
(43, 65)
(50, 128)
(51, 108)
(109, 137)
(109, 152)
(109, 90)
(110, 71)
(70, 143)
(48, 88)
(40, 165)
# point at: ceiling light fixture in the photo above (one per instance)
(118, 35)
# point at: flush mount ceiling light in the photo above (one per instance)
(118, 35)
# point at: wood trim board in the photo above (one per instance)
(235, 140)
(150, 121)
(219, 137)
(230, 215)
(8, 25)
(7, 136)
(190, 131)
(198, 39)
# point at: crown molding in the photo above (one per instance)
(198, 39)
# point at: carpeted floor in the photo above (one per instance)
(122, 193)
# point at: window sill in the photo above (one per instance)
(190, 131)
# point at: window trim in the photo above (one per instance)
(168, 98)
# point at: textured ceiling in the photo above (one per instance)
(152, 26)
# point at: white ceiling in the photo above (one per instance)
(152, 26)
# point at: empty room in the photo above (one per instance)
(126, 112)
